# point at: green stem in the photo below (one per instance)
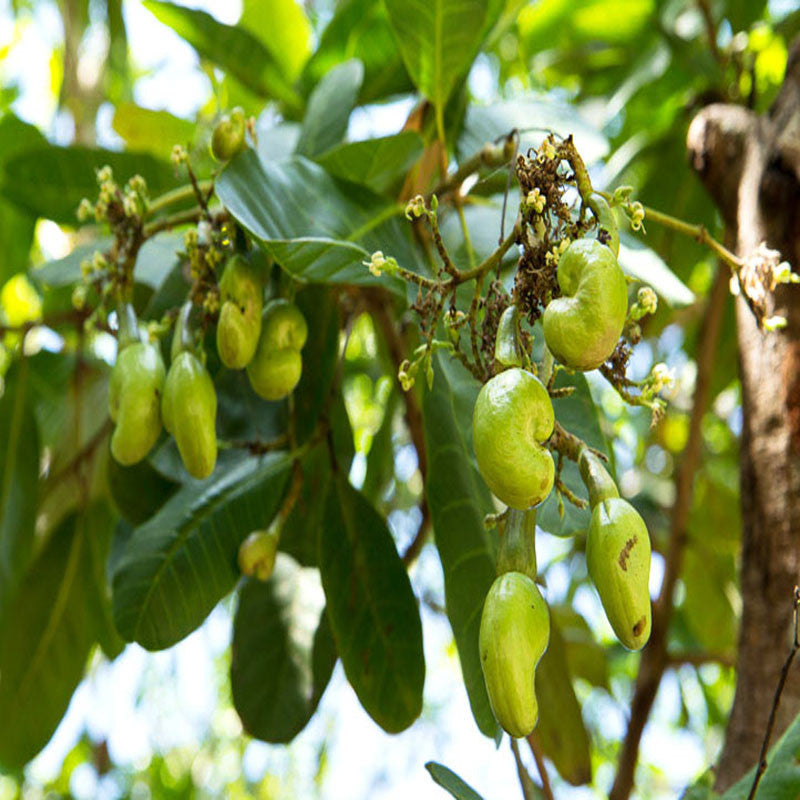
(181, 218)
(178, 195)
(492, 261)
(596, 478)
(517, 551)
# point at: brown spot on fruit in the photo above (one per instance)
(638, 628)
(625, 552)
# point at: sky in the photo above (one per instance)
(145, 701)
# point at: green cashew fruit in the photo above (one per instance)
(606, 221)
(239, 323)
(618, 558)
(257, 553)
(228, 136)
(582, 327)
(134, 401)
(515, 630)
(513, 415)
(189, 411)
(277, 364)
(507, 350)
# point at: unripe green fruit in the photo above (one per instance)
(189, 410)
(618, 558)
(513, 415)
(583, 326)
(277, 364)
(257, 554)
(228, 137)
(515, 630)
(134, 401)
(239, 323)
(507, 350)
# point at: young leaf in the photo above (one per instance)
(282, 655)
(179, 564)
(19, 479)
(371, 608)
(459, 500)
(448, 780)
(149, 131)
(329, 107)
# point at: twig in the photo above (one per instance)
(179, 195)
(417, 543)
(536, 749)
(762, 758)
(490, 155)
(654, 657)
(525, 781)
(173, 221)
(259, 447)
(711, 32)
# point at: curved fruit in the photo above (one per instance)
(189, 410)
(582, 327)
(513, 415)
(257, 554)
(507, 351)
(277, 364)
(134, 401)
(228, 137)
(595, 477)
(239, 323)
(618, 558)
(515, 629)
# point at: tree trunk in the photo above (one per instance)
(751, 166)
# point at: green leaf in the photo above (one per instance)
(360, 29)
(45, 642)
(380, 459)
(534, 116)
(458, 500)
(284, 29)
(179, 564)
(50, 181)
(138, 491)
(329, 107)
(644, 264)
(231, 47)
(149, 131)
(282, 654)
(318, 230)
(586, 657)
(371, 608)
(19, 479)
(438, 40)
(448, 780)
(376, 163)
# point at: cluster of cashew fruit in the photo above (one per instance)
(266, 340)
(513, 419)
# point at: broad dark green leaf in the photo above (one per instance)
(282, 653)
(586, 656)
(50, 181)
(380, 459)
(438, 40)
(371, 608)
(360, 29)
(180, 563)
(329, 107)
(376, 163)
(138, 491)
(560, 728)
(45, 641)
(317, 229)
(149, 131)
(19, 477)
(233, 48)
(458, 500)
(448, 780)
(16, 233)
(283, 28)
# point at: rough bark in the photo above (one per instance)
(751, 167)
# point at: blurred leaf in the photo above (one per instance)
(231, 47)
(586, 657)
(180, 563)
(329, 107)
(534, 116)
(360, 29)
(371, 608)
(448, 780)
(282, 653)
(16, 233)
(560, 729)
(438, 40)
(276, 142)
(743, 13)
(45, 642)
(458, 501)
(154, 132)
(316, 229)
(579, 415)
(283, 27)
(376, 163)
(19, 480)
(138, 491)
(642, 263)
(380, 459)
(51, 181)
